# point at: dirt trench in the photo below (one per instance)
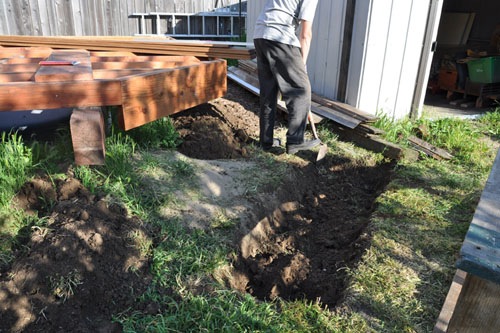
(300, 247)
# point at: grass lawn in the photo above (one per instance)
(398, 285)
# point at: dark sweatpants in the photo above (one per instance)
(280, 68)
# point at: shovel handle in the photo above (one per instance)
(311, 122)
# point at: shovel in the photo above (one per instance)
(323, 148)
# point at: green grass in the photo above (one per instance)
(399, 285)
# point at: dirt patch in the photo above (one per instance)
(220, 129)
(78, 269)
(295, 242)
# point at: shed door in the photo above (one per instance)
(426, 59)
(389, 40)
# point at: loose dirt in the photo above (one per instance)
(294, 242)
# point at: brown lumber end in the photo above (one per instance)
(80, 72)
(151, 96)
(88, 136)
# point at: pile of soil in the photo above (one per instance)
(77, 270)
(305, 242)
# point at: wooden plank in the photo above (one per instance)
(116, 56)
(141, 64)
(88, 136)
(477, 307)
(338, 117)
(345, 108)
(341, 113)
(16, 77)
(79, 72)
(450, 302)
(25, 52)
(112, 74)
(430, 150)
(147, 97)
(480, 252)
(120, 54)
(53, 95)
(18, 68)
(16, 60)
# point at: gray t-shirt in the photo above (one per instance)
(280, 19)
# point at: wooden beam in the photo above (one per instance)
(148, 97)
(117, 56)
(88, 136)
(113, 74)
(143, 64)
(15, 60)
(450, 302)
(429, 149)
(16, 77)
(80, 71)
(53, 95)
(25, 52)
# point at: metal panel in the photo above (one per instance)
(416, 50)
(387, 46)
(326, 48)
(426, 58)
(392, 81)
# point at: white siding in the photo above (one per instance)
(386, 53)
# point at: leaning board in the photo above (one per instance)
(480, 252)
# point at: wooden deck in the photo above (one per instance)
(143, 87)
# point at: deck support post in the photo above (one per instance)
(88, 135)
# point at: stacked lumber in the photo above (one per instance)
(142, 45)
(334, 110)
(350, 123)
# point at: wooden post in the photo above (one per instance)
(88, 136)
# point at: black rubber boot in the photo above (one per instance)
(306, 145)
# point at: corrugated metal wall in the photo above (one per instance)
(90, 17)
(323, 63)
(386, 54)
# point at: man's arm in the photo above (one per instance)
(305, 38)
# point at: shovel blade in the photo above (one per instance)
(323, 149)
